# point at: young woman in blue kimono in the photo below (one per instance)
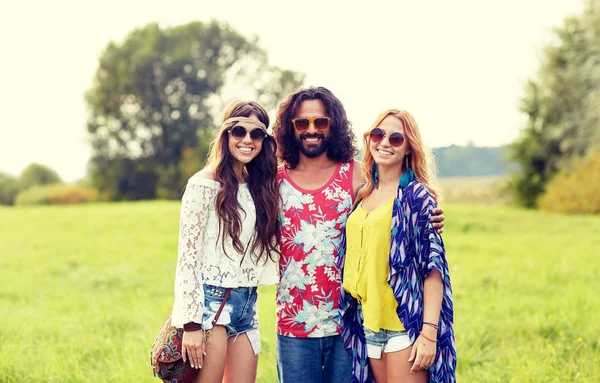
(396, 305)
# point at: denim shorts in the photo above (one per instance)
(385, 341)
(239, 314)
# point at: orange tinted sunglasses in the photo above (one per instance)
(303, 123)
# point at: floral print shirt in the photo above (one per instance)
(312, 225)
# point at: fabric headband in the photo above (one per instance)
(233, 120)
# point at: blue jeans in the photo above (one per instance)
(313, 360)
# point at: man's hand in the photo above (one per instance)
(437, 219)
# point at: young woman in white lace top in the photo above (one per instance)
(228, 238)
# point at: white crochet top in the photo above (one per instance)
(200, 254)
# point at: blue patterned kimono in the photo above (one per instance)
(415, 250)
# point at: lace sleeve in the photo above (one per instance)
(189, 297)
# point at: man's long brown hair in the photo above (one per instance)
(261, 174)
(342, 146)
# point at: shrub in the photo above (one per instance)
(577, 191)
(36, 174)
(56, 194)
(9, 187)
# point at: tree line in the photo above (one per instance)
(473, 161)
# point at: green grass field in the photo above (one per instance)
(85, 288)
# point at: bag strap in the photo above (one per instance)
(227, 292)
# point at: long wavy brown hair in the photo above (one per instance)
(341, 147)
(420, 158)
(261, 175)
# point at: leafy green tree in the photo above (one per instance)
(37, 174)
(158, 93)
(562, 104)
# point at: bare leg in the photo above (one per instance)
(214, 360)
(379, 368)
(241, 362)
(398, 368)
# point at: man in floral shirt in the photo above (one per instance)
(317, 181)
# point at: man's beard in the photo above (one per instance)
(312, 150)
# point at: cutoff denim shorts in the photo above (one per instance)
(239, 315)
(385, 341)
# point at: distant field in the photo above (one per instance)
(85, 288)
(489, 190)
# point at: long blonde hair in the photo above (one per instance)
(420, 158)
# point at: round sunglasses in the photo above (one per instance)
(377, 135)
(303, 123)
(239, 133)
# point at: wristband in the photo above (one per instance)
(435, 326)
(192, 326)
(426, 337)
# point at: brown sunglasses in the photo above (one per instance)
(377, 135)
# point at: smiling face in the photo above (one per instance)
(245, 149)
(384, 154)
(313, 142)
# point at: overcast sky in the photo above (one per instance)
(458, 66)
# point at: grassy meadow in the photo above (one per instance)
(84, 289)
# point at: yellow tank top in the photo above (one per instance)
(366, 266)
